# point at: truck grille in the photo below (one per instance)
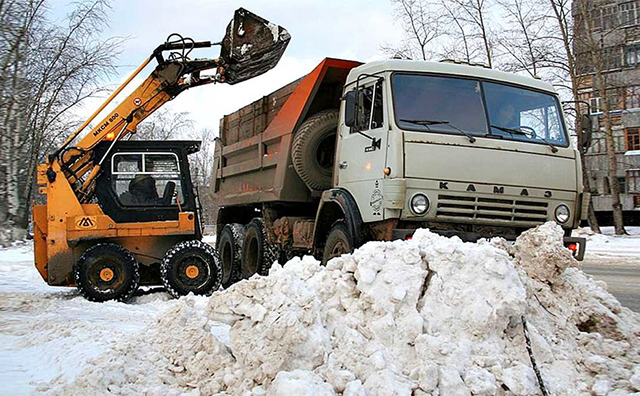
(500, 209)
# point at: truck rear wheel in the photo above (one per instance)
(257, 253)
(107, 272)
(230, 249)
(339, 242)
(313, 149)
(191, 267)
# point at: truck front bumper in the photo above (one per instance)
(576, 246)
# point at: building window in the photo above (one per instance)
(632, 97)
(595, 105)
(609, 18)
(611, 58)
(633, 138)
(628, 13)
(622, 185)
(596, 19)
(632, 55)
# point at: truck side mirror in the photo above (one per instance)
(350, 106)
(586, 126)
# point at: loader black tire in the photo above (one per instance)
(230, 250)
(257, 253)
(191, 267)
(313, 149)
(106, 272)
(339, 242)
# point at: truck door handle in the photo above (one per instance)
(343, 165)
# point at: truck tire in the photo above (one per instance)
(313, 149)
(257, 253)
(107, 272)
(191, 267)
(230, 249)
(338, 242)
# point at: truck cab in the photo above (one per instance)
(463, 150)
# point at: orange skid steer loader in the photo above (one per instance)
(123, 213)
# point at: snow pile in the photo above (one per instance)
(428, 316)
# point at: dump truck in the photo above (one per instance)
(356, 152)
(120, 213)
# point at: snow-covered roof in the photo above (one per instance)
(448, 68)
(632, 152)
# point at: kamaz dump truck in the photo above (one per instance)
(356, 152)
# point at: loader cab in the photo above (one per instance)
(145, 181)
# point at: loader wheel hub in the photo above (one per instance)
(192, 271)
(106, 274)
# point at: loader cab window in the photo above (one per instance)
(370, 108)
(147, 179)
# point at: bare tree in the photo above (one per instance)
(165, 124)
(475, 13)
(458, 32)
(436, 27)
(524, 38)
(422, 24)
(46, 70)
(594, 47)
(567, 62)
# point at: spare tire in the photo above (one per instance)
(313, 149)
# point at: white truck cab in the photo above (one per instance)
(461, 149)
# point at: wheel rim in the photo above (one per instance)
(338, 249)
(325, 153)
(192, 273)
(105, 274)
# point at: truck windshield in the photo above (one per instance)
(513, 113)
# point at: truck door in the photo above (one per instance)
(360, 161)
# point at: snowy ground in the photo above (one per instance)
(618, 249)
(48, 336)
(49, 333)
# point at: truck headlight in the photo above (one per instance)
(562, 213)
(419, 204)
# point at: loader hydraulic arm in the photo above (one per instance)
(250, 47)
(170, 77)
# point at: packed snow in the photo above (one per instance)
(432, 315)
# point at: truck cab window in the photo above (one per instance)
(370, 108)
(143, 179)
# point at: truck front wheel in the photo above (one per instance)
(339, 242)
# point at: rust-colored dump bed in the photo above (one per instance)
(253, 155)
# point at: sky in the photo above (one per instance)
(353, 29)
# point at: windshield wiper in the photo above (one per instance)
(426, 123)
(514, 131)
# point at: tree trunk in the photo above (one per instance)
(595, 50)
(566, 41)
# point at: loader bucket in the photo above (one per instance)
(251, 46)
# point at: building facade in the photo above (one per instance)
(616, 28)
